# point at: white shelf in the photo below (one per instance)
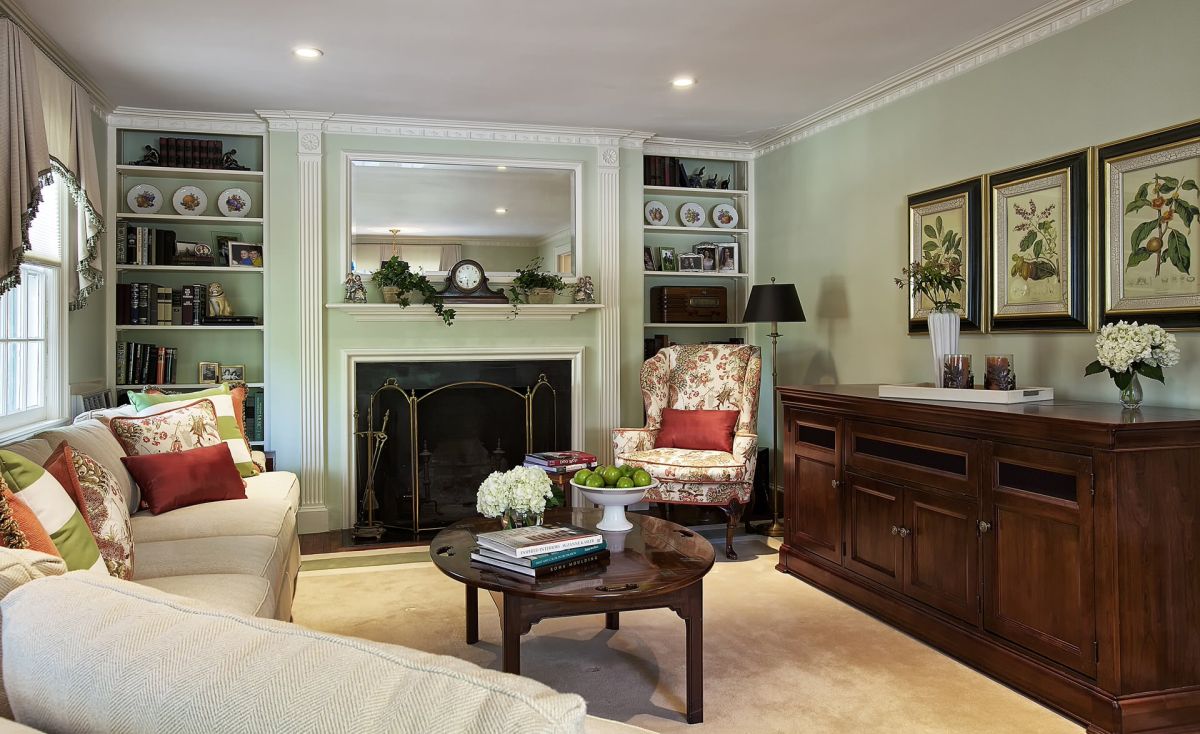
(181, 219)
(180, 385)
(178, 327)
(694, 326)
(689, 191)
(695, 230)
(190, 268)
(464, 311)
(207, 174)
(691, 274)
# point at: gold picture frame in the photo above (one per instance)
(948, 221)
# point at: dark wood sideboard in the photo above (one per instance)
(1054, 546)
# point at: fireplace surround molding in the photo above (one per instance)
(352, 357)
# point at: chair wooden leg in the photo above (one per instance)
(733, 513)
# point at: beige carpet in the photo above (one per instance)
(780, 656)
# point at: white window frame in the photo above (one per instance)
(54, 409)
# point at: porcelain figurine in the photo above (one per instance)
(696, 180)
(218, 304)
(355, 291)
(149, 159)
(584, 290)
(230, 163)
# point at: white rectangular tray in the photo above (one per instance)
(926, 391)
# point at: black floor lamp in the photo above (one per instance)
(773, 303)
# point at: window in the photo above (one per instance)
(31, 325)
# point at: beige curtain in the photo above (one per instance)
(68, 121)
(24, 155)
(450, 255)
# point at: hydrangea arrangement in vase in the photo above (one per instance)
(1127, 350)
(518, 496)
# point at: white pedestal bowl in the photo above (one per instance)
(614, 500)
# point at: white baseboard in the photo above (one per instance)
(313, 519)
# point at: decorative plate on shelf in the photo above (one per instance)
(657, 213)
(190, 201)
(234, 203)
(144, 199)
(691, 214)
(724, 216)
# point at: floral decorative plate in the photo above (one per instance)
(657, 213)
(190, 201)
(144, 199)
(724, 216)
(691, 214)
(234, 203)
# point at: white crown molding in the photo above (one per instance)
(185, 121)
(50, 47)
(1034, 26)
(685, 148)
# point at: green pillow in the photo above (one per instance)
(54, 509)
(227, 421)
(143, 400)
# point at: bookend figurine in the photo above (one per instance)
(356, 292)
(218, 304)
(711, 183)
(229, 163)
(149, 159)
(696, 180)
(584, 290)
(725, 183)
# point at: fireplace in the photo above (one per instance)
(427, 433)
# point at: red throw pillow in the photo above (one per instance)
(178, 479)
(697, 429)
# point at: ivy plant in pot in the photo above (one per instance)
(535, 285)
(397, 281)
(939, 279)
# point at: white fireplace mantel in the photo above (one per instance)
(464, 311)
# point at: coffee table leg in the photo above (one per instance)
(612, 620)
(511, 634)
(472, 614)
(694, 623)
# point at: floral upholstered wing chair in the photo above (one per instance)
(698, 377)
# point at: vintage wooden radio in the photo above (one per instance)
(674, 304)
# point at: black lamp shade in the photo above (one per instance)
(772, 302)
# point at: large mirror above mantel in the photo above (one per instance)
(434, 211)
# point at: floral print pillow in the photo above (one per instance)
(104, 510)
(190, 426)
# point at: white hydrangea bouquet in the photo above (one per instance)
(518, 496)
(1127, 350)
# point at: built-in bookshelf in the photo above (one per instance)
(664, 181)
(158, 250)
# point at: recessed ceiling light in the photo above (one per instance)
(501, 210)
(683, 81)
(501, 168)
(308, 52)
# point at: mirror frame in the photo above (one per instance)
(349, 158)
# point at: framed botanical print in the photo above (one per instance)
(1150, 221)
(946, 225)
(1038, 245)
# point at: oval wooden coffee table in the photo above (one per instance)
(656, 564)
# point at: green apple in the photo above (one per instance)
(642, 478)
(611, 475)
(581, 476)
(595, 481)
(625, 483)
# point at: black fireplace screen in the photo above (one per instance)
(433, 431)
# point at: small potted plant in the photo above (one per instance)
(535, 285)
(518, 496)
(939, 279)
(397, 280)
(1127, 350)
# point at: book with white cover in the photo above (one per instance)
(538, 539)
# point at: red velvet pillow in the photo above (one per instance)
(181, 478)
(697, 429)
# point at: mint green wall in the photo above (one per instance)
(85, 328)
(342, 332)
(831, 209)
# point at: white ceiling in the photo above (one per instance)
(760, 64)
(459, 201)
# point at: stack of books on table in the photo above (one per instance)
(540, 550)
(561, 462)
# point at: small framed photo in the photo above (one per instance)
(708, 256)
(690, 262)
(233, 373)
(221, 242)
(666, 260)
(210, 373)
(192, 253)
(648, 259)
(727, 258)
(245, 255)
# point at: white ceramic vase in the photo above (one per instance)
(943, 335)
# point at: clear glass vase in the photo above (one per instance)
(1131, 396)
(519, 519)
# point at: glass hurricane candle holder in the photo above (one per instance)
(956, 371)
(998, 372)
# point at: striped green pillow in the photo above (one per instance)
(227, 419)
(54, 510)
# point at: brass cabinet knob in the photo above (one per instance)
(984, 526)
(895, 530)
(902, 532)
(837, 484)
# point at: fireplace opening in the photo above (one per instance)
(428, 433)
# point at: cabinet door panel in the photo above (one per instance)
(873, 509)
(1039, 577)
(814, 517)
(941, 558)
